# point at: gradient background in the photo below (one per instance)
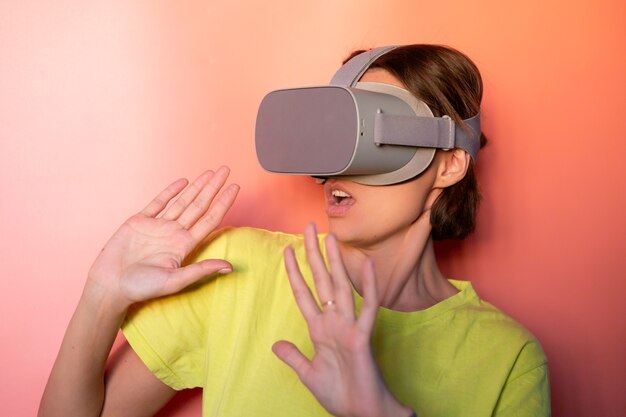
(104, 103)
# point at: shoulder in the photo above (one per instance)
(501, 333)
(245, 242)
(256, 256)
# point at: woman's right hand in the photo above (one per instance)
(143, 259)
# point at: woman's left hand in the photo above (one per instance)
(342, 374)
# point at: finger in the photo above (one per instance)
(181, 203)
(367, 318)
(213, 217)
(301, 292)
(181, 278)
(321, 277)
(164, 197)
(291, 355)
(339, 276)
(203, 201)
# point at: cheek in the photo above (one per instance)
(379, 219)
(382, 212)
(400, 212)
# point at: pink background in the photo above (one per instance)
(103, 103)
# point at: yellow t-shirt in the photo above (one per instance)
(461, 357)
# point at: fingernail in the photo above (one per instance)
(225, 271)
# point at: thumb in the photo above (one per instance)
(291, 355)
(181, 278)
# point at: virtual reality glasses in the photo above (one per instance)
(370, 133)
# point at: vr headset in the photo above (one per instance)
(370, 133)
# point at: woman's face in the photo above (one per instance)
(366, 215)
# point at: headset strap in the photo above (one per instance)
(351, 71)
(430, 132)
(402, 130)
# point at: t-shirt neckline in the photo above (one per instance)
(390, 317)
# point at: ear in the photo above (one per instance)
(452, 167)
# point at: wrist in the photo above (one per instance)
(395, 408)
(404, 411)
(104, 299)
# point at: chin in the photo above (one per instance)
(343, 231)
(348, 233)
(366, 234)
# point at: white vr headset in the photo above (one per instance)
(370, 133)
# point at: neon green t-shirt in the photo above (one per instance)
(461, 357)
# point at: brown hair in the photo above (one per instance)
(450, 84)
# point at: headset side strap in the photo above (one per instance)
(469, 139)
(429, 132)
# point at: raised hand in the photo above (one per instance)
(144, 257)
(342, 374)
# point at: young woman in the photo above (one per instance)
(360, 322)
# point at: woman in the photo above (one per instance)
(418, 344)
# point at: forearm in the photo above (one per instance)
(140, 262)
(76, 383)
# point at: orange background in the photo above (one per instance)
(103, 103)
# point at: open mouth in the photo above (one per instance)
(341, 198)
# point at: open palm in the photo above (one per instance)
(144, 258)
(342, 374)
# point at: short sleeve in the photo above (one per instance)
(527, 392)
(171, 350)
(170, 334)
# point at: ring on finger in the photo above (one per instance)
(328, 303)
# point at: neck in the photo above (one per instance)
(407, 274)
